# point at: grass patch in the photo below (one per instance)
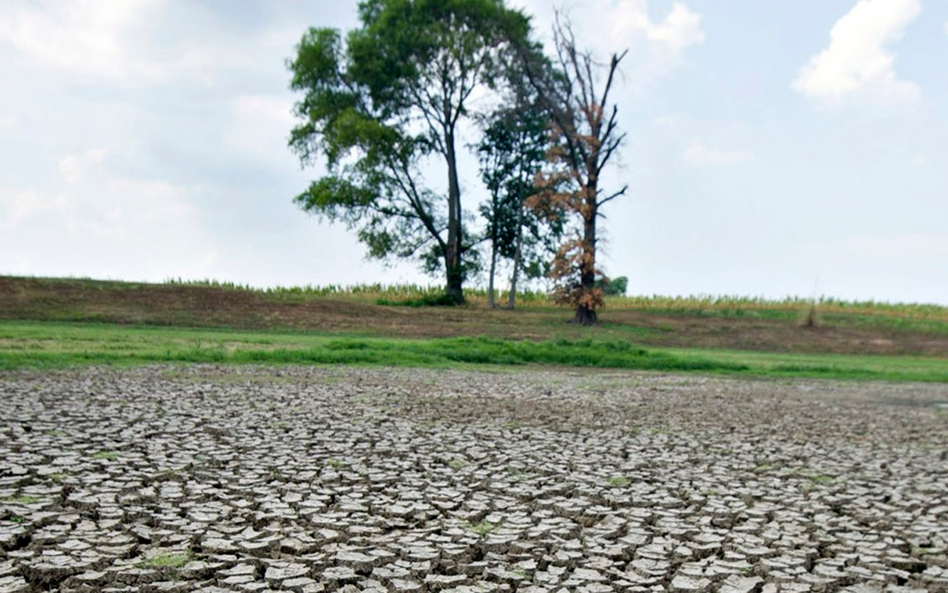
(20, 500)
(618, 482)
(52, 345)
(483, 529)
(107, 455)
(815, 477)
(166, 561)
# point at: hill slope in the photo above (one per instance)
(762, 327)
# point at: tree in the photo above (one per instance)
(395, 93)
(511, 154)
(586, 138)
(613, 286)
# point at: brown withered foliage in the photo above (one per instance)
(585, 137)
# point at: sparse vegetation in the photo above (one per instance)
(811, 317)
(171, 560)
(619, 482)
(107, 455)
(715, 306)
(22, 499)
(814, 476)
(483, 529)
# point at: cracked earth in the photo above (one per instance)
(336, 479)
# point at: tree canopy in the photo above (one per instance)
(391, 95)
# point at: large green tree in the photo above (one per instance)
(379, 104)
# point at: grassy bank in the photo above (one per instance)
(728, 323)
(48, 345)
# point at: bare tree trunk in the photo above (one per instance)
(586, 315)
(490, 281)
(452, 256)
(518, 255)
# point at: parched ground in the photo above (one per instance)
(250, 479)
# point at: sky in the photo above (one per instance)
(773, 148)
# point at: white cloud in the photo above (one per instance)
(698, 153)
(918, 246)
(257, 107)
(9, 121)
(679, 30)
(107, 39)
(103, 223)
(15, 208)
(85, 36)
(257, 124)
(857, 59)
(75, 166)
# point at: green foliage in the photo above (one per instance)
(376, 105)
(511, 154)
(613, 286)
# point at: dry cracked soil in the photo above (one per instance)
(343, 479)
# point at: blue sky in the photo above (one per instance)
(773, 147)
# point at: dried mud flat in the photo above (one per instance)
(252, 479)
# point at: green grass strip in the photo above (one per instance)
(52, 345)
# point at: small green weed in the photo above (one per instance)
(107, 455)
(166, 561)
(619, 482)
(483, 528)
(20, 500)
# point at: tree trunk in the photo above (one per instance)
(452, 256)
(586, 315)
(490, 280)
(512, 297)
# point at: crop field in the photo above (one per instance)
(248, 478)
